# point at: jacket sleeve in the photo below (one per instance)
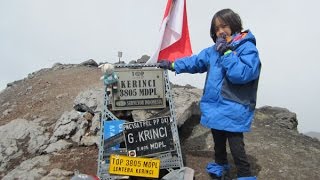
(244, 67)
(193, 64)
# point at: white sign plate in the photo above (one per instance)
(139, 89)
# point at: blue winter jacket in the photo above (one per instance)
(229, 94)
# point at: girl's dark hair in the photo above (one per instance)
(229, 17)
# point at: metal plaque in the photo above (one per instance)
(139, 89)
(148, 137)
(134, 166)
(111, 130)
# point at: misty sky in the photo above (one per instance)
(35, 34)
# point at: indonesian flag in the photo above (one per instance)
(174, 33)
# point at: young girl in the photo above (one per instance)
(229, 95)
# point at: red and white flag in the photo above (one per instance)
(174, 33)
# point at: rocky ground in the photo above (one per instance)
(37, 109)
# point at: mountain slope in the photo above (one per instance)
(313, 134)
(275, 148)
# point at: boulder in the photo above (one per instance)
(89, 62)
(30, 169)
(20, 133)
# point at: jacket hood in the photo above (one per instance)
(240, 38)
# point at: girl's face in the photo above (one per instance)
(222, 28)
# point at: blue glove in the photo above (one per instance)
(165, 64)
(221, 45)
